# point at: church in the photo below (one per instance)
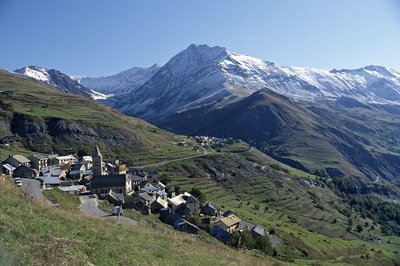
(104, 181)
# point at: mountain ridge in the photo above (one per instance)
(202, 75)
(58, 80)
(122, 82)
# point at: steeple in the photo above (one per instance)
(96, 152)
(97, 162)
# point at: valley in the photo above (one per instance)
(304, 177)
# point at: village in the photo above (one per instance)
(129, 188)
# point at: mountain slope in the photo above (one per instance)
(58, 80)
(269, 121)
(326, 140)
(120, 83)
(45, 119)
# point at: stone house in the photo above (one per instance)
(24, 171)
(258, 231)
(143, 202)
(88, 162)
(63, 160)
(7, 169)
(184, 226)
(229, 223)
(210, 210)
(158, 204)
(38, 161)
(17, 160)
(102, 184)
(77, 171)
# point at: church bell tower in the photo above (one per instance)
(97, 162)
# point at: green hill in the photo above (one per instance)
(44, 119)
(304, 210)
(34, 233)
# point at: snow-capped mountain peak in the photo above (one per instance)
(120, 83)
(35, 72)
(202, 75)
(58, 80)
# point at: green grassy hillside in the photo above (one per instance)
(44, 119)
(310, 218)
(33, 233)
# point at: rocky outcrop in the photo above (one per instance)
(45, 135)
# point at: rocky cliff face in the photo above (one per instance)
(44, 135)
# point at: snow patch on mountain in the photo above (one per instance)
(99, 96)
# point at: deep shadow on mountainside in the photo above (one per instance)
(330, 139)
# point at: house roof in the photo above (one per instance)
(37, 156)
(27, 168)
(151, 189)
(53, 171)
(78, 167)
(52, 180)
(162, 202)
(211, 205)
(231, 220)
(161, 185)
(104, 181)
(146, 196)
(227, 213)
(220, 233)
(20, 158)
(162, 193)
(180, 222)
(136, 177)
(87, 158)
(52, 156)
(9, 167)
(66, 157)
(70, 188)
(258, 229)
(177, 200)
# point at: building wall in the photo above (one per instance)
(105, 190)
(39, 164)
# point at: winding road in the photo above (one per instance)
(89, 206)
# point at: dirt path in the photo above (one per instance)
(174, 160)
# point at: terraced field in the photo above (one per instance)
(301, 211)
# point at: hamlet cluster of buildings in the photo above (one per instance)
(205, 142)
(129, 187)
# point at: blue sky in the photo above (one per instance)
(100, 37)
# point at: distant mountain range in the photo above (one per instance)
(332, 123)
(202, 75)
(122, 82)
